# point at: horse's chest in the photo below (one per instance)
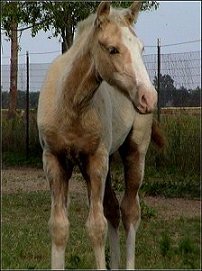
(82, 136)
(83, 142)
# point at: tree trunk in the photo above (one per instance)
(64, 44)
(13, 71)
(67, 35)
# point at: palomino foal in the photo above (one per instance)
(93, 103)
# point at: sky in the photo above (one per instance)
(173, 22)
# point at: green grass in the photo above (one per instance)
(164, 244)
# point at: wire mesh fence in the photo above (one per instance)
(180, 77)
(183, 68)
(180, 86)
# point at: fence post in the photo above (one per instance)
(27, 106)
(158, 78)
(158, 90)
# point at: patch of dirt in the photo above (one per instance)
(169, 208)
(29, 179)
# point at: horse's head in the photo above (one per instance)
(117, 53)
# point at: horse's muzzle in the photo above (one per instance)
(146, 100)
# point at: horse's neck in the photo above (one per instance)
(86, 81)
(80, 84)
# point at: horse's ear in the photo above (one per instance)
(133, 11)
(103, 11)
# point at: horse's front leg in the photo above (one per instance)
(58, 173)
(133, 160)
(96, 223)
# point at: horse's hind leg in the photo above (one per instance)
(112, 213)
(133, 156)
(58, 173)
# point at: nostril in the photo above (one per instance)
(143, 101)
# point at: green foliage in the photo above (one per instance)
(167, 89)
(59, 17)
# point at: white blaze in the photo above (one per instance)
(135, 48)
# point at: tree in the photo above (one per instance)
(13, 15)
(167, 89)
(12, 23)
(181, 97)
(195, 97)
(59, 17)
(171, 96)
(64, 16)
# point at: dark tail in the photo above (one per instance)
(157, 135)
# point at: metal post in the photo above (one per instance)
(27, 107)
(158, 77)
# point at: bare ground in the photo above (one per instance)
(29, 179)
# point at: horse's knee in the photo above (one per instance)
(59, 229)
(131, 212)
(50, 162)
(96, 226)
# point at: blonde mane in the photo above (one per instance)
(84, 26)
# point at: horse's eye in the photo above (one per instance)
(113, 50)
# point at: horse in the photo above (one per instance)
(97, 99)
